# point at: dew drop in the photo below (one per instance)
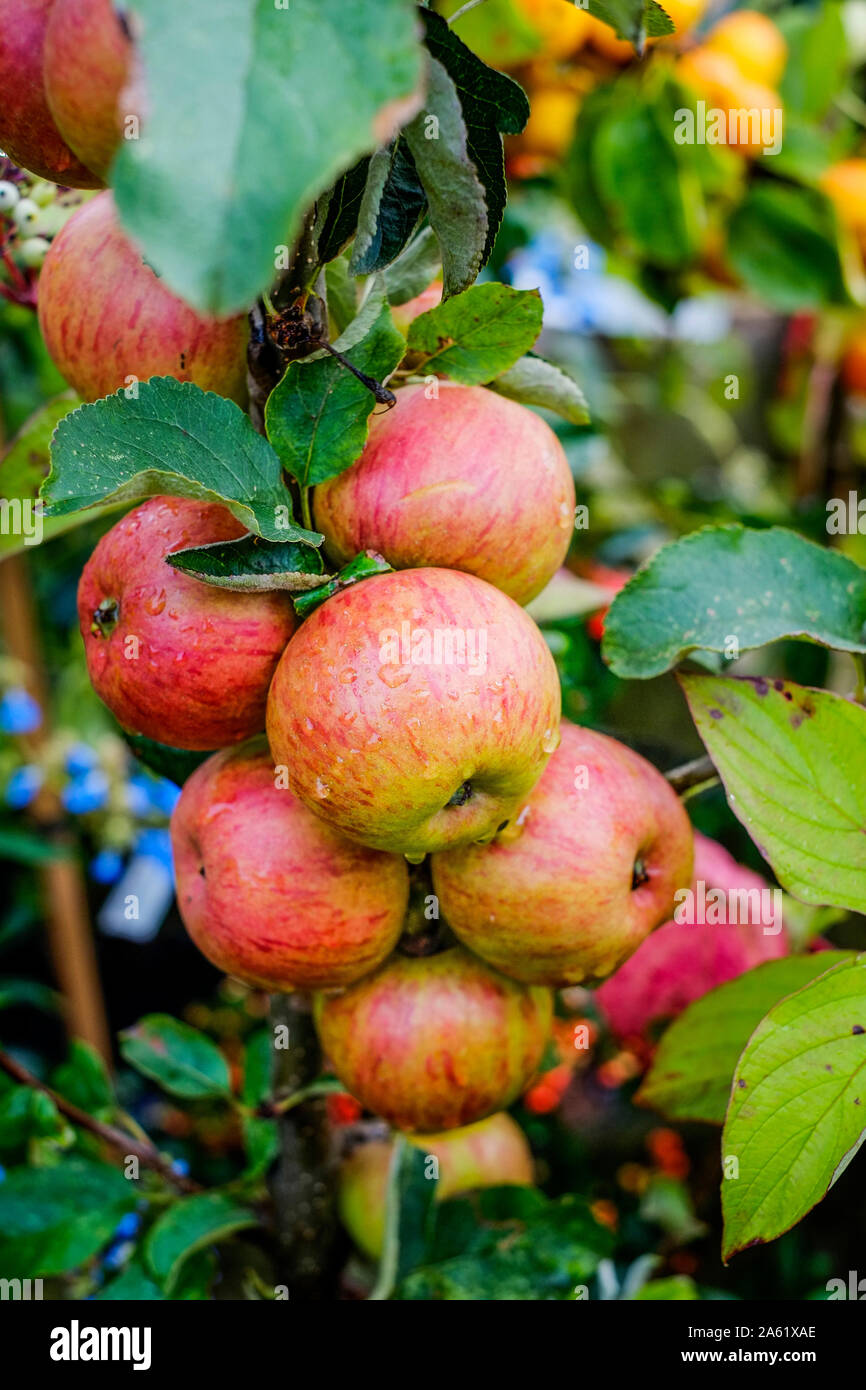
(322, 789)
(392, 676)
(551, 740)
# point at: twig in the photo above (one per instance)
(464, 9)
(146, 1152)
(692, 774)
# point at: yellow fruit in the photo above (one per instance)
(605, 41)
(684, 13)
(715, 77)
(553, 111)
(845, 186)
(754, 43)
(562, 26)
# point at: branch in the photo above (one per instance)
(145, 1152)
(692, 774)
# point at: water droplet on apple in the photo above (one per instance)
(414, 858)
(348, 675)
(392, 676)
(156, 603)
(551, 740)
(308, 725)
(322, 789)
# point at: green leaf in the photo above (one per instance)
(53, 1219)
(797, 1114)
(21, 847)
(455, 193)
(17, 993)
(175, 439)
(408, 1213)
(532, 381)
(818, 60)
(633, 19)
(174, 763)
(579, 169)
(499, 31)
(390, 210)
(250, 117)
(132, 1286)
(676, 1288)
(251, 565)
(261, 1137)
(83, 1079)
(492, 105)
(26, 1113)
(414, 269)
(316, 418)
(782, 242)
(179, 1057)
(362, 567)
(793, 763)
(727, 581)
(338, 212)
(691, 1073)
(190, 1225)
(25, 467)
(479, 334)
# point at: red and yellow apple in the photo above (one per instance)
(588, 869)
(415, 710)
(28, 134)
(268, 892)
(466, 480)
(685, 959)
(87, 60)
(435, 1042)
(175, 659)
(108, 320)
(406, 313)
(491, 1153)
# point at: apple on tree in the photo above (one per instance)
(465, 480)
(589, 868)
(86, 64)
(415, 710)
(270, 893)
(141, 330)
(491, 1153)
(435, 1042)
(28, 133)
(183, 663)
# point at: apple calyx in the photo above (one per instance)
(105, 617)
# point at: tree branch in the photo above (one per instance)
(145, 1152)
(692, 774)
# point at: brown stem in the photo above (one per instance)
(146, 1153)
(692, 774)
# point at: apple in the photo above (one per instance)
(177, 660)
(28, 134)
(491, 1153)
(141, 329)
(435, 1042)
(87, 60)
(466, 480)
(588, 869)
(684, 960)
(405, 314)
(268, 892)
(415, 710)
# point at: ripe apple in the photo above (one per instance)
(175, 659)
(141, 329)
(268, 892)
(415, 710)
(28, 134)
(467, 480)
(87, 59)
(491, 1153)
(754, 42)
(684, 960)
(435, 1042)
(589, 868)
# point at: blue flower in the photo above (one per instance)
(155, 844)
(127, 1226)
(87, 793)
(80, 760)
(106, 866)
(23, 786)
(165, 795)
(19, 713)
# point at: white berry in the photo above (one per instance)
(25, 214)
(32, 251)
(8, 195)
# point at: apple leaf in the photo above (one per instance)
(174, 763)
(633, 19)
(694, 1064)
(338, 210)
(363, 566)
(391, 207)
(176, 439)
(250, 116)
(25, 1114)
(532, 381)
(414, 269)
(408, 1214)
(190, 1225)
(132, 1285)
(25, 467)
(251, 565)
(479, 334)
(53, 1219)
(729, 582)
(179, 1057)
(797, 1113)
(492, 105)
(783, 243)
(316, 418)
(793, 763)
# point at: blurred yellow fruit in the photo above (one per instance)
(845, 186)
(553, 111)
(684, 13)
(604, 40)
(562, 26)
(715, 76)
(754, 43)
